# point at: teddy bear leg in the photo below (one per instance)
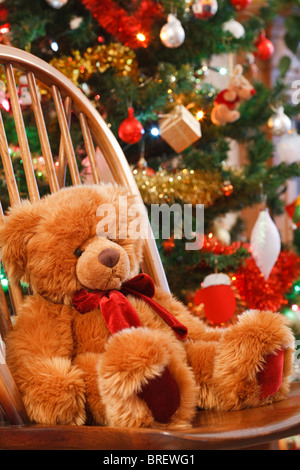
(95, 411)
(145, 380)
(201, 357)
(254, 361)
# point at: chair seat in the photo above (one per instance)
(210, 430)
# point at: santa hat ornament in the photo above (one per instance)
(217, 297)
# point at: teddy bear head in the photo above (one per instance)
(75, 238)
(240, 85)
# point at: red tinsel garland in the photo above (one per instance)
(267, 295)
(249, 282)
(118, 22)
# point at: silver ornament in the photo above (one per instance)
(57, 3)
(172, 33)
(279, 123)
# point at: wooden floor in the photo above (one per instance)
(258, 427)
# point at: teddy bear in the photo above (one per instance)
(96, 342)
(226, 103)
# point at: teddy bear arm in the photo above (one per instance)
(196, 328)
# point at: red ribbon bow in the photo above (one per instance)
(117, 311)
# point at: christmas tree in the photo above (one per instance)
(183, 87)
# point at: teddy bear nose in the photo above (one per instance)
(109, 257)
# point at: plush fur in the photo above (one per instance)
(71, 370)
(226, 104)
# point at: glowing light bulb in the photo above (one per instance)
(141, 37)
(294, 307)
(54, 46)
(5, 104)
(223, 71)
(4, 28)
(154, 131)
(199, 115)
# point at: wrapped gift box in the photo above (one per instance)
(179, 128)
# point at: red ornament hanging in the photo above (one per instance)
(265, 47)
(132, 30)
(240, 4)
(218, 298)
(168, 245)
(131, 130)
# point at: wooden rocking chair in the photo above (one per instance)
(210, 430)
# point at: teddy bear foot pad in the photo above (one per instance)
(162, 405)
(270, 377)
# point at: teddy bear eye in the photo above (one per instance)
(78, 252)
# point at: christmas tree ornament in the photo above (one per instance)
(265, 243)
(235, 28)
(288, 147)
(172, 33)
(265, 47)
(221, 232)
(57, 4)
(240, 4)
(217, 295)
(131, 130)
(279, 123)
(227, 188)
(168, 245)
(293, 211)
(179, 128)
(75, 22)
(227, 101)
(204, 9)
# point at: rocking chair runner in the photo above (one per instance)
(210, 430)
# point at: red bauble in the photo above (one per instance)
(218, 298)
(131, 130)
(240, 4)
(265, 47)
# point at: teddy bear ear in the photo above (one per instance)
(20, 223)
(238, 71)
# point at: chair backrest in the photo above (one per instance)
(69, 103)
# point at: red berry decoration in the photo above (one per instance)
(131, 130)
(240, 4)
(265, 47)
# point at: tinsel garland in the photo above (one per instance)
(267, 295)
(116, 21)
(80, 67)
(188, 186)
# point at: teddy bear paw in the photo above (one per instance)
(270, 377)
(254, 361)
(162, 396)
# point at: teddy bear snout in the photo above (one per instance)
(109, 257)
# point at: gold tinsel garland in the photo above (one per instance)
(80, 67)
(188, 186)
